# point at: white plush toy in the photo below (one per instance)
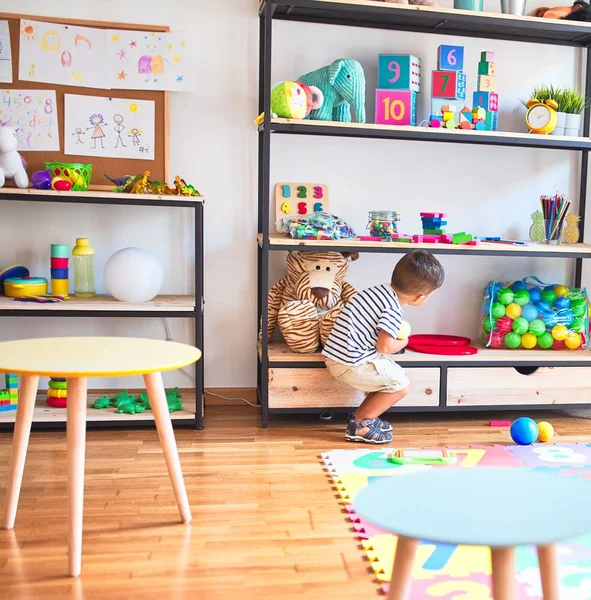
(404, 330)
(11, 163)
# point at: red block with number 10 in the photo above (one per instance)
(396, 107)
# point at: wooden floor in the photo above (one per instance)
(266, 523)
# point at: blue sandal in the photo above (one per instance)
(381, 425)
(373, 435)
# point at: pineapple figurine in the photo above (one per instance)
(571, 231)
(536, 231)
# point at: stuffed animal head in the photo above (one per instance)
(318, 276)
(8, 142)
(348, 78)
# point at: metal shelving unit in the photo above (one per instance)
(379, 15)
(186, 307)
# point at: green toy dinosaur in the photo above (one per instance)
(127, 403)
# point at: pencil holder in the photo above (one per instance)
(553, 231)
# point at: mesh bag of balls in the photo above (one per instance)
(532, 315)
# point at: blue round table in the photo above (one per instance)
(500, 508)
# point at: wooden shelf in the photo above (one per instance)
(47, 414)
(101, 306)
(97, 197)
(279, 241)
(426, 134)
(280, 354)
(422, 19)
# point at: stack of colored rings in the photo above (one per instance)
(57, 394)
(60, 256)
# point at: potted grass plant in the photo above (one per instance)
(572, 102)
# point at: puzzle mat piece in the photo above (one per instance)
(553, 455)
(432, 560)
(575, 582)
(493, 456)
(583, 473)
(577, 551)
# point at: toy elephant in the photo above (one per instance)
(343, 85)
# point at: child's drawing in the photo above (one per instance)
(132, 120)
(60, 54)
(151, 61)
(5, 54)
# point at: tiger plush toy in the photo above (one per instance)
(307, 301)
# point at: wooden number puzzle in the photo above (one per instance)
(299, 200)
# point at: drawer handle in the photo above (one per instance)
(526, 370)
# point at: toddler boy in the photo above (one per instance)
(359, 348)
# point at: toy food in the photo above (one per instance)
(41, 180)
(12, 165)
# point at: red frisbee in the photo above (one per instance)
(443, 350)
(436, 339)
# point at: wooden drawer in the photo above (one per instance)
(495, 386)
(317, 388)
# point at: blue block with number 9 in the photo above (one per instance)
(399, 72)
(450, 58)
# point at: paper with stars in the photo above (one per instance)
(141, 60)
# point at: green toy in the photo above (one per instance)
(342, 84)
(423, 457)
(102, 402)
(130, 407)
(127, 403)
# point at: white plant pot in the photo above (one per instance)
(572, 122)
(571, 132)
(558, 131)
(561, 119)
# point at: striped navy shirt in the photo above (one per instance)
(353, 338)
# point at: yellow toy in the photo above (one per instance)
(404, 330)
(541, 117)
(571, 232)
(546, 431)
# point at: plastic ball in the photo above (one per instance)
(550, 288)
(518, 285)
(559, 332)
(534, 295)
(504, 325)
(565, 317)
(498, 310)
(133, 275)
(524, 431)
(505, 296)
(561, 302)
(544, 307)
(545, 340)
(513, 311)
(488, 324)
(529, 341)
(521, 297)
(558, 345)
(520, 325)
(512, 340)
(492, 289)
(579, 308)
(572, 341)
(545, 431)
(486, 306)
(578, 325)
(561, 290)
(537, 327)
(549, 296)
(404, 330)
(495, 340)
(529, 312)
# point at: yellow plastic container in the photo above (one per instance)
(83, 259)
(59, 287)
(18, 287)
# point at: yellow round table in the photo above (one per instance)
(77, 359)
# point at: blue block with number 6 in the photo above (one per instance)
(450, 58)
(399, 72)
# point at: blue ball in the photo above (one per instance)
(565, 317)
(561, 302)
(544, 307)
(535, 295)
(549, 288)
(518, 285)
(529, 312)
(486, 307)
(492, 289)
(524, 431)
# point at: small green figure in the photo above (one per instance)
(144, 400)
(102, 402)
(173, 398)
(130, 407)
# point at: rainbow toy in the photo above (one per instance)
(9, 396)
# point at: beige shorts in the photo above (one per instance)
(380, 374)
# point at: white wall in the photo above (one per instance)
(487, 191)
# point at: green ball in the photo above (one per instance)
(521, 297)
(578, 325)
(520, 325)
(548, 296)
(512, 340)
(488, 324)
(537, 327)
(545, 340)
(578, 307)
(505, 296)
(498, 310)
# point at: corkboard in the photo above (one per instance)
(115, 167)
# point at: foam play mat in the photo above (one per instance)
(449, 572)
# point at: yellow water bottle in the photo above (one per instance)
(83, 260)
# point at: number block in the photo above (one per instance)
(487, 56)
(438, 105)
(486, 83)
(396, 107)
(299, 200)
(399, 72)
(486, 68)
(450, 58)
(449, 84)
(491, 122)
(486, 100)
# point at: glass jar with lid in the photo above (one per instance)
(382, 223)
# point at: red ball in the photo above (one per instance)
(496, 339)
(558, 345)
(504, 325)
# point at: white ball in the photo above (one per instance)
(404, 330)
(133, 275)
